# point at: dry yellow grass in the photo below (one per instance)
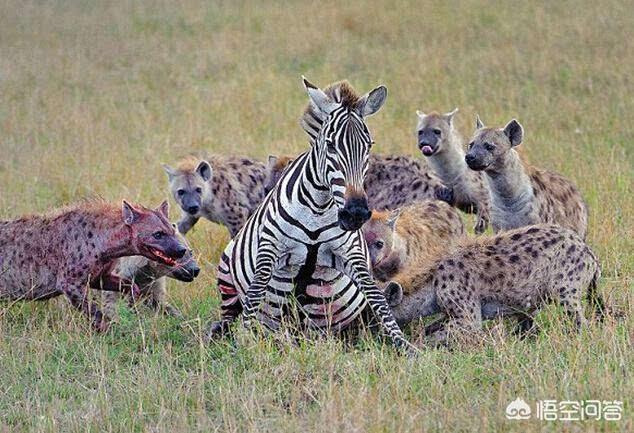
(94, 95)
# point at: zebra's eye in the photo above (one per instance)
(330, 146)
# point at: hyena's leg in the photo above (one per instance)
(157, 298)
(570, 299)
(354, 264)
(113, 283)
(464, 313)
(186, 222)
(482, 219)
(76, 293)
(231, 306)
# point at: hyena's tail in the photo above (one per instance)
(600, 307)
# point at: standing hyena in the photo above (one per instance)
(391, 181)
(225, 190)
(151, 279)
(511, 274)
(403, 241)
(65, 252)
(439, 141)
(522, 195)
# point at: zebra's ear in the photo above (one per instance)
(318, 98)
(372, 101)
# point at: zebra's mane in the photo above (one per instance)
(340, 92)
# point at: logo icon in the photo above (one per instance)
(518, 409)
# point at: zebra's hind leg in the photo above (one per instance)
(231, 307)
(266, 258)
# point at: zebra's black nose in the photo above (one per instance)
(354, 214)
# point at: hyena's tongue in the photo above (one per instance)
(427, 150)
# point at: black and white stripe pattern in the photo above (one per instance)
(295, 255)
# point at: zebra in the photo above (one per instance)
(304, 239)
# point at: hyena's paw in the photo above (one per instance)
(444, 194)
(217, 330)
(172, 311)
(481, 226)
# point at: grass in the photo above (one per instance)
(94, 95)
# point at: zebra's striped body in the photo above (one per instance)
(302, 253)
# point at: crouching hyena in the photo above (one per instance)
(522, 195)
(225, 190)
(511, 274)
(151, 279)
(441, 143)
(64, 252)
(403, 241)
(391, 181)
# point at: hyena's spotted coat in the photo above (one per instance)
(391, 181)
(225, 190)
(522, 195)
(64, 252)
(442, 145)
(511, 274)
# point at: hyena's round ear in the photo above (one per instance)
(393, 293)
(479, 124)
(514, 131)
(164, 209)
(449, 116)
(129, 213)
(392, 218)
(273, 160)
(204, 170)
(420, 114)
(169, 170)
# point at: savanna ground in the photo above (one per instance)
(94, 95)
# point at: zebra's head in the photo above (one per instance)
(335, 121)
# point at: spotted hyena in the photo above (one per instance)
(522, 195)
(391, 181)
(151, 279)
(64, 252)
(225, 190)
(513, 273)
(403, 241)
(442, 145)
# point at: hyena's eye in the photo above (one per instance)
(199, 190)
(470, 145)
(379, 244)
(158, 235)
(180, 192)
(437, 131)
(489, 146)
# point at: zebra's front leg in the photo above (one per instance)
(266, 259)
(358, 271)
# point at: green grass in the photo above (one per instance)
(94, 95)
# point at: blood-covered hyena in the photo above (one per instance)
(442, 145)
(225, 190)
(522, 195)
(151, 279)
(391, 181)
(403, 241)
(513, 273)
(64, 252)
